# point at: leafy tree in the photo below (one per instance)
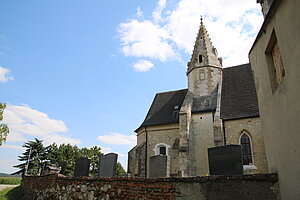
(33, 158)
(120, 169)
(93, 154)
(4, 130)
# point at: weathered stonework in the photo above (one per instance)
(54, 187)
(252, 126)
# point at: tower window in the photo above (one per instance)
(200, 58)
(245, 142)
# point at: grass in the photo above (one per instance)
(10, 180)
(14, 193)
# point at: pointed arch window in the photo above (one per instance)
(245, 142)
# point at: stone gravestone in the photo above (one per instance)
(82, 167)
(158, 166)
(108, 165)
(63, 165)
(225, 160)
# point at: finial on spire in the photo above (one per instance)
(201, 20)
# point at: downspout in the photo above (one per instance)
(146, 152)
(224, 132)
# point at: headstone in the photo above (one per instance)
(158, 166)
(63, 165)
(108, 165)
(225, 160)
(82, 167)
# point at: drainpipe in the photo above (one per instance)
(146, 159)
(224, 132)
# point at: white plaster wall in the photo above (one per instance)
(201, 138)
(280, 110)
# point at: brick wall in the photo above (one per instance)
(52, 187)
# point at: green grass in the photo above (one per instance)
(14, 193)
(10, 180)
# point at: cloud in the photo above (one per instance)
(25, 122)
(118, 139)
(5, 75)
(232, 27)
(145, 39)
(143, 66)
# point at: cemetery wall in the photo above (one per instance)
(260, 186)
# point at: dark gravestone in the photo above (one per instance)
(225, 160)
(108, 165)
(158, 166)
(82, 167)
(63, 165)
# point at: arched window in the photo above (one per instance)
(200, 58)
(245, 142)
(161, 149)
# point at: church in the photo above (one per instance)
(218, 108)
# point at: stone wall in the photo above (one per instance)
(57, 187)
(252, 127)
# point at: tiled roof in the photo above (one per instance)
(165, 108)
(205, 103)
(239, 99)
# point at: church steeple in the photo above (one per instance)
(205, 68)
(204, 53)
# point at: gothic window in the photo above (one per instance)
(200, 58)
(245, 142)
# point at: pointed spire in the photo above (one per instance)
(204, 53)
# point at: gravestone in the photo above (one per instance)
(108, 165)
(63, 165)
(225, 160)
(82, 167)
(158, 166)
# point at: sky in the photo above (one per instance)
(86, 72)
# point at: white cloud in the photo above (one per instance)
(139, 12)
(232, 27)
(117, 138)
(145, 39)
(5, 75)
(156, 14)
(25, 123)
(143, 66)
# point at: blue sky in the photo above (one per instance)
(86, 72)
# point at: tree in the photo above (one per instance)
(93, 154)
(33, 158)
(4, 130)
(120, 170)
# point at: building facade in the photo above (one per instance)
(274, 58)
(218, 108)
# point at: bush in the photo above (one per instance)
(10, 180)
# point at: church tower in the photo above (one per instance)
(205, 68)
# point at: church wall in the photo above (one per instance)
(252, 127)
(200, 139)
(162, 134)
(279, 104)
(203, 80)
